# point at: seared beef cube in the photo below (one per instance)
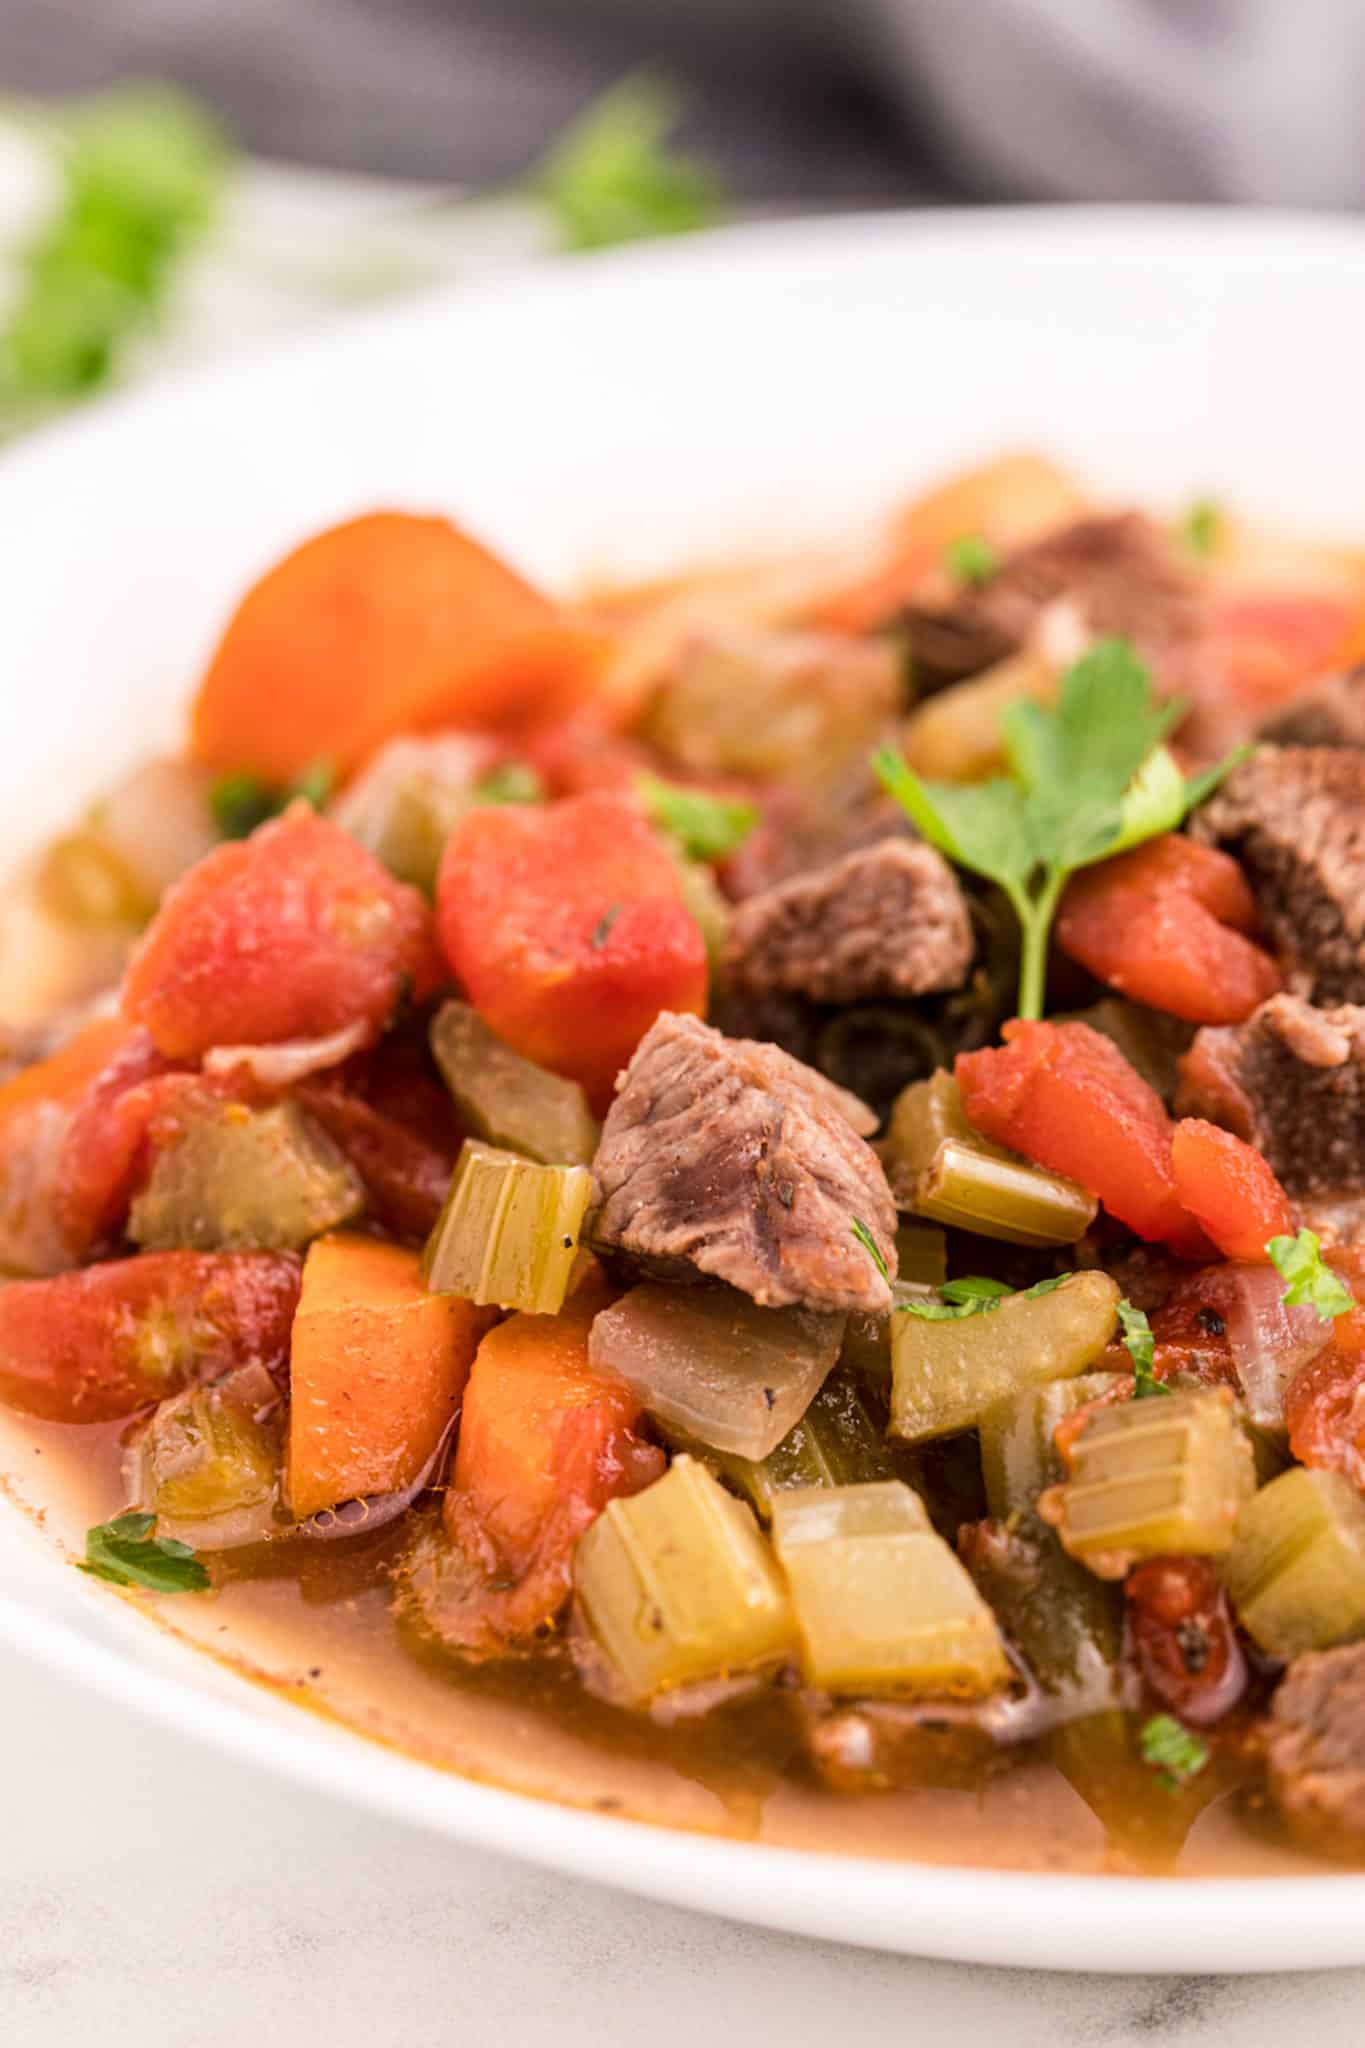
(803, 829)
(726, 1157)
(890, 920)
(895, 1745)
(798, 707)
(1295, 818)
(1315, 1750)
(1291, 1081)
(1118, 570)
(1332, 714)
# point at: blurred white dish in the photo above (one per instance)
(762, 385)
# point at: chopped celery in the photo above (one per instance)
(945, 1375)
(508, 1234)
(839, 1441)
(1018, 1456)
(921, 1254)
(867, 1338)
(709, 1361)
(207, 1464)
(940, 1167)
(1296, 1570)
(84, 880)
(408, 800)
(677, 1584)
(505, 1098)
(239, 1179)
(1154, 1476)
(882, 1604)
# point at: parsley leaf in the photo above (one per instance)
(971, 558)
(126, 1553)
(974, 1297)
(1202, 527)
(707, 827)
(871, 1247)
(1137, 1335)
(1089, 778)
(1311, 1281)
(1172, 1751)
(511, 782)
(142, 170)
(241, 801)
(612, 176)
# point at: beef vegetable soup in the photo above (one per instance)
(744, 1202)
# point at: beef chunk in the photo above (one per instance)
(1291, 1081)
(1315, 1750)
(1330, 715)
(887, 921)
(1118, 570)
(895, 1745)
(1295, 818)
(727, 1157)
(803, 829)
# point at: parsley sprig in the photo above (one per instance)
(871, 1247)
(971, 559)
(974, 1296)
(126, 1552)
(1173, 1752)
(1088, 779)
(614, 175)
(240, 801)
(1141, 1345)
(1311, 1281)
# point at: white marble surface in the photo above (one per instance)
(154, 1896)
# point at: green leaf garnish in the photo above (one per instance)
(1202, 527)
(1137, 1336)
(141, 172)
(1172, 1751)
(511, 782)
(126, 1553)
(1089, 778)
(706, 827)
(242, 801)
(613, 176)
(1311, 1281)
(971, 559)
(973, 1296)
(871, 1247)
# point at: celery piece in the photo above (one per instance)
(207, 1463)
(1018, 1456)
(946, 1375)
(940, 1167)
(839, 1441)
(1154, 1476)
(709, 1361)
(701, 895)
(1296, 1570)
(921, 1254)
(508, 1234)
(882, 1604)
(677, 1584)
(84, 880)
(406, 803)
(867, 1338)
(239, 1179)
(507, 1099)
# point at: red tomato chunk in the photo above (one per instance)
(1229, 1188)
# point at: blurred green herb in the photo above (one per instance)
(971, 559)
(974, 1296)
(1311, 1281)
(1202, 526)
(142, 170)
(614, 176)
(707, 827)
(1141, 1348)
(1172, 1751)
(511, 782)
(241, 801)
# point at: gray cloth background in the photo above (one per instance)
(798, 100)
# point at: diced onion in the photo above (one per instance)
(280, 1066)
(1269, 1342)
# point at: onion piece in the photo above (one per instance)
(709, 1361)
(1269, 1342)
(280, 1066)
(374, 1511)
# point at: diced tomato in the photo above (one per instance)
(295, 933)
(584, 754)
(407, 1177)
(1264, 646)
(1164, 924)
(1064, 1096)
(1183, 1635)
(1324, 1408)
(1230, 1188)
(37, 1111)
(105, 1148)
(1191, 1328)
(566, 925)
(94, 1345)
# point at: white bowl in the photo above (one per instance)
(623, 413)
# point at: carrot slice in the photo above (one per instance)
(389, 623)
(377, 1368)
(66, 1074)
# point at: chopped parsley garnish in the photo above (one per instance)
(613, 176)
(706, 827)
(511, 782)
(126, 1553)
(871, 1247)
(1311, 1281)
(971, 559)
(1137, 1336)
(974, 1296)
(242, 801)
(1089, 778)
(1202, 526)
(1172, 1751)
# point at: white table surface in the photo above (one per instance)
(155, 1896)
